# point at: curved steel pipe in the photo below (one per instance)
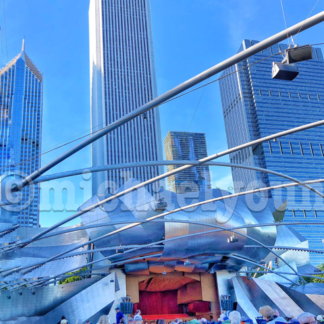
(70, 230)
(171, 239)
(234, 256)
(307, 23)
(148, 182)
(164, 221)
(86, 272)
(221, 228)
(123, 247)
(284, 273)
(114, 263)
(293, 248)
(26, 242)
(159, 163)
(89, 263)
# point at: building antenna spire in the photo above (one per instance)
(23, 45)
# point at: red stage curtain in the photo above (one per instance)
(199, 307)
(161, 302)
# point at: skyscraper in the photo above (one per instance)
(187, 146)
(255, 106)
(21, 102)
(122, 77)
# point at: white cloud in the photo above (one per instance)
(225, 183)
(239, 16)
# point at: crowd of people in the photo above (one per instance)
(269, 316)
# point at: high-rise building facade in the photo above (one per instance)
(122, 77)
(21, 100)
(187, 146)
(255, 106)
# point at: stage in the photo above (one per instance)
(171, 296)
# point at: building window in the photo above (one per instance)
(301, 148)
(315, 213)
(304, 212)
(280, 147)
(270, 148)
(291, 149)
(293, 212)
(311, 148)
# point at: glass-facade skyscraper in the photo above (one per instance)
(187, 146)
(21, 102)
(255, 106)
(122, 78)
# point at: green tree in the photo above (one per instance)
(74, 276)
(257, 275)
(309, 280)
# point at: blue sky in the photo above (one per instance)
(189, 37)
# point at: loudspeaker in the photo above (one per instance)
(299, 54)
(282, 71)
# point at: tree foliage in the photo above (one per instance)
(74, 276)
(309, 280)
(256, 274)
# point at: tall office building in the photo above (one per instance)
(122, 77)
(21, 102)
(187, 146)
(255, 106)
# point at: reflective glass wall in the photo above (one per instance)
(255, 106)
(21, 102)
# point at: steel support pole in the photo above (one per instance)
(176, 162)
(167, 174)
(309, 22)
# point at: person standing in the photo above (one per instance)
(269, 315)
(120, 318)
(306, 318)
(103, 320)
(138, 318)
(64, 320)
(235, 317)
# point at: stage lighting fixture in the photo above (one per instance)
(161, 204)
(187, 262)
(232, 239)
